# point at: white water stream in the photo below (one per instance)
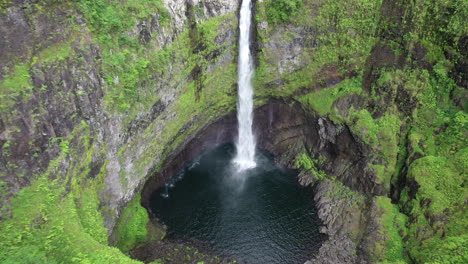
(245, 158)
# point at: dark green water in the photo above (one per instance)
(261, 217)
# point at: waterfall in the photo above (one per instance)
(245, 158)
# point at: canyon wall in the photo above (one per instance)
(366, 98)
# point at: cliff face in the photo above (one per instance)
(391, 73)
(94, 95)
(366, 98)
(58, 76)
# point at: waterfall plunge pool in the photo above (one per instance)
(262, 216)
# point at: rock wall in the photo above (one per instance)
(68, 89)
(63, 119)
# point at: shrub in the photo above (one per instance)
(280, 11)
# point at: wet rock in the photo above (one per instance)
(344, 216)
(340, 250)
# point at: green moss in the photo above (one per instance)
(303, 161)
(58, 219)
(440, 181)
(15, 84)
(393, 230)
(383, 135)
(343, 192)
(4, 4)
(322, 101)
(131, 229)
(126, 64)
(54, 53)
(393, 262)
(280, 11)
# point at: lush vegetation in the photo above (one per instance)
(14, 84)
(409, 117)
(393, 229)
(125, 61)
(303, 161)
(63, 206)
(283, 10)
(413, 117)
(134, 227)
(324, 106)
(343, 40)
(55, 223)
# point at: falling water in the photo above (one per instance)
(245, 158)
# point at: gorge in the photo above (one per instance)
(104, 102)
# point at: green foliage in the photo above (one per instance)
(280, 11)
(439, 24)
(383, 135)
(451, 250)
(4, 4)
(54, 53)
(437, 214)
(13, 85)
(436, 111)
(64, 146)
(345, 35)
(108, 18)
(441, 180)
(4, 191)
(393, 262)
(347, 31)
(392, 229)
(303, 161)
(126, 64)
(58, 219)
(322, 101)
(131, 228)
(46, 223)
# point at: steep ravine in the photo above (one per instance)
(102, 102)
(285, 130)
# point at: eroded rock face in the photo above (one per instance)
(344, 216)
(58, 93)
(178, 10)
(287, 54)
(65, 92)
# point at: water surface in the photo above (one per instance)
(261, 217)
